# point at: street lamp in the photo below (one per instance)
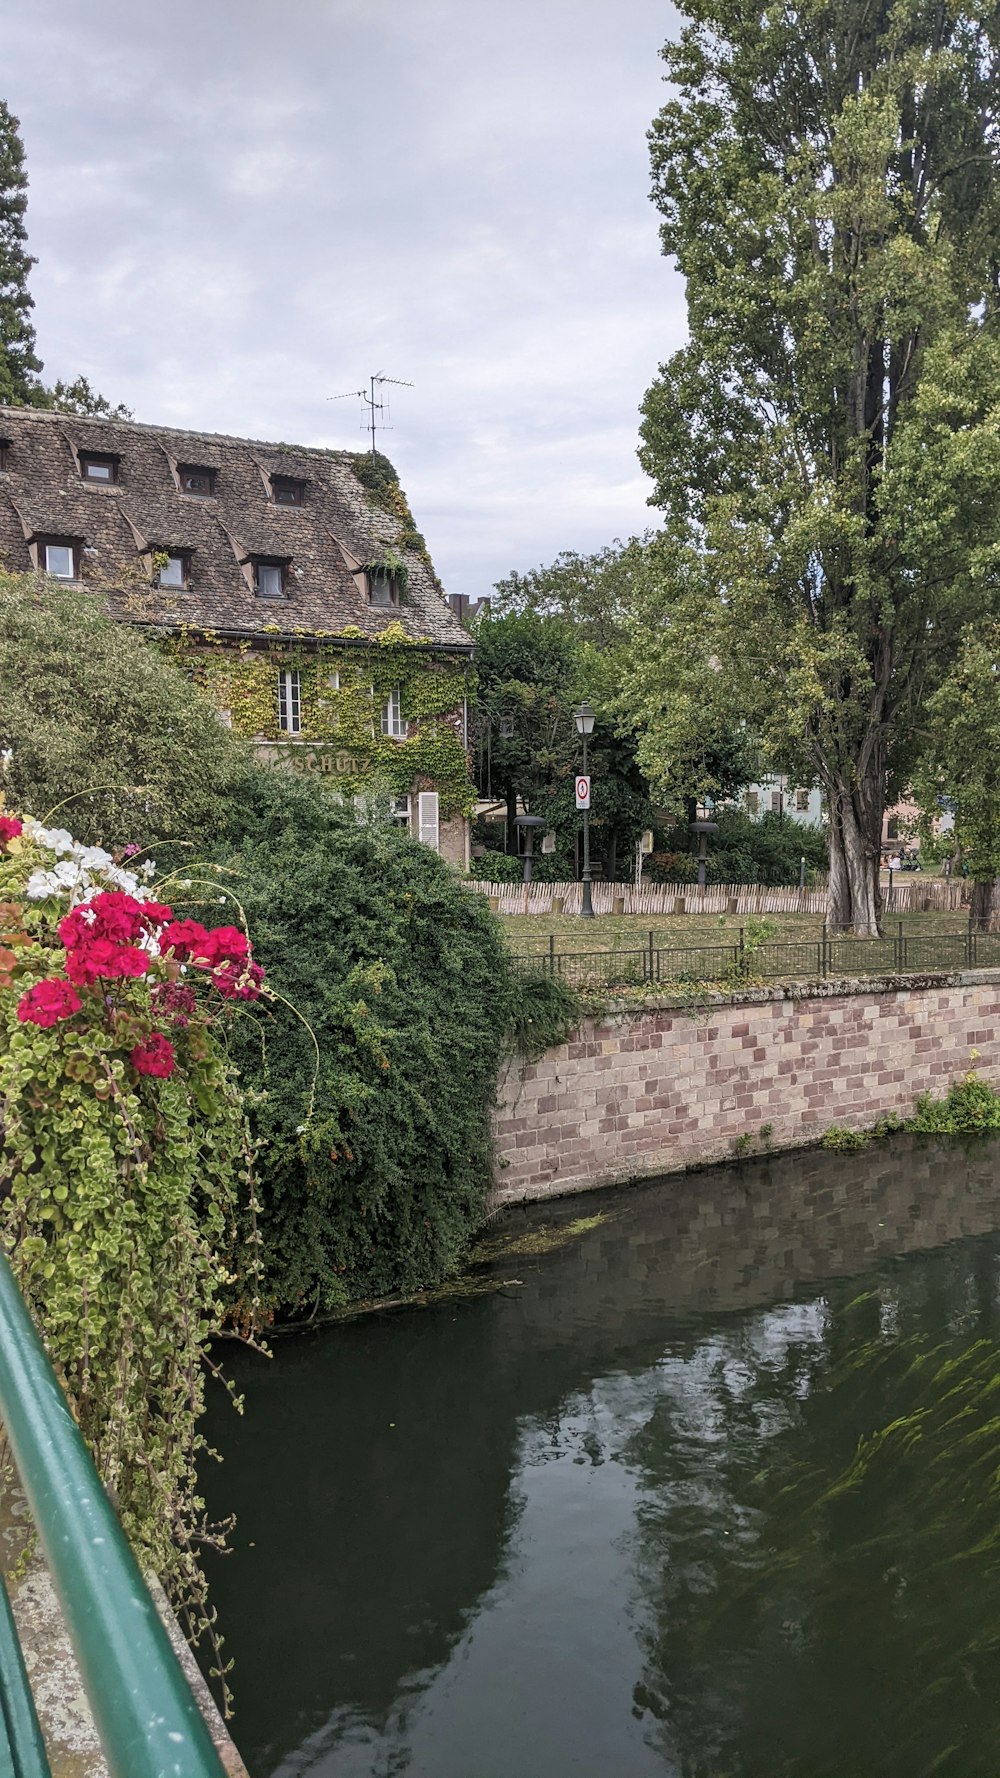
(585, 720)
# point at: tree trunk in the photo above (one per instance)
(984, 914)
(855, 899)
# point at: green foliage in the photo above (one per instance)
(961, 758)
(403, 981)
(840, 1140)
(971, 1104)
(826, 446)
(377, 475)
(78, 397)
(545, 1011)
(343, 691)
(89, 706)
(767, 850)
(19, 365)
(119, 1193)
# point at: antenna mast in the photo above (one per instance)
(375, 403)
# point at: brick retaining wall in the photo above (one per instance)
(666, 1086)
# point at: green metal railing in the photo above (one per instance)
(146, 1715)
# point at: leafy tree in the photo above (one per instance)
(961, 762)
(88, 705)
(524, 735)
(19, 365)
(79, 398)
(826, 446)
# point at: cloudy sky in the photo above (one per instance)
(242, 207)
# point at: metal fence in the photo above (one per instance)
(146, 1715)
(830, 954)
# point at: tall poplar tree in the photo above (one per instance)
(19, 365)
(826, 446)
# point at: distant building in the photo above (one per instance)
(778, 795)
(291, 582)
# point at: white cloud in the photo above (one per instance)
(241, 209)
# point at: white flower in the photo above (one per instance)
(69, 872)
(92, 857)
(54, 839)
(41, 884)
(149, 870)
(6, 756)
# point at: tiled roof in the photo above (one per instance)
(337, 528)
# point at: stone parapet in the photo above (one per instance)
(645, 1090)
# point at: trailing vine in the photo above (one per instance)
(343, 690)
(124, 1164)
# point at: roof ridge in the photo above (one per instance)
(56, 417)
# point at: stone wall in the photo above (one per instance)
(656, 1089)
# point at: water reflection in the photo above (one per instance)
(611, 1520)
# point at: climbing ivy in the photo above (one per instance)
(344, 688)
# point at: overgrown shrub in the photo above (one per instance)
(406, 997)
(87, 704)
(745, 850)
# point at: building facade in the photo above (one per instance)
(777, 794)
(289, 582)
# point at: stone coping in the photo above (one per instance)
(763, 994)
(71, 1739)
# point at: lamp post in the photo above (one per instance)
(585, 720)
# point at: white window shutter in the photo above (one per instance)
(428, 817)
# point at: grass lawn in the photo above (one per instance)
(528, 934)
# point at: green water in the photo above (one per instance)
(609, 1520)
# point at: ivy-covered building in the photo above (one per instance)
(290, 581)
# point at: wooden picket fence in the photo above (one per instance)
(659, 899)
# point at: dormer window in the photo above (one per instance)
(196, 480)
(268, 579)
(99, 466)
(59, 559)
(174, 571)
(287, 490)
(382, 588)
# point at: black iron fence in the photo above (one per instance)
(830, 954)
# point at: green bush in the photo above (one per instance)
(87, 704)
(744, 850)
(970, 1104)
(404, 981)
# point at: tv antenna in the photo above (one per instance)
(376, 404)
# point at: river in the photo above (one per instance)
(706, 1488)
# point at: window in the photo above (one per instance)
(174, 572)
(287, 490)
(268, 580)
(427, 818)
(60, 560)
(4, 448)
(399, 809)
(195, 480)
(776, 800)
(753, 802)
(393, 721)
(892, 829)
(290, 702)
(802, 801)
(381, 588)
(98, 466)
